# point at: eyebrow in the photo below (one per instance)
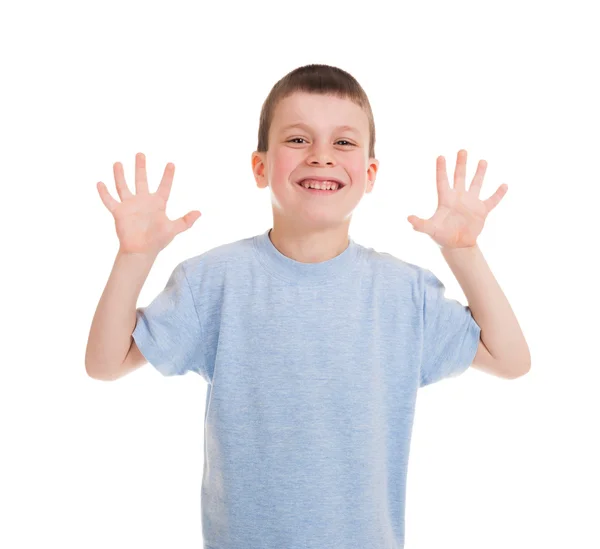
(307, 127)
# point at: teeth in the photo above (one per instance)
(321, 185)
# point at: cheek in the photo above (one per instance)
(286, 160)
(357, 172)
(283, 166)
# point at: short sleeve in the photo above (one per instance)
(168, 331)
(450, 333)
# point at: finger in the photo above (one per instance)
(443, 186)
(477, 182)
(185, 222)
(164, 188)
(122, 188)
(141, 179)
(493, 200)
(460, 170)
(110, 203)
(417, 223)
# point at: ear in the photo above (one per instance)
(372, 173)
(258, 169)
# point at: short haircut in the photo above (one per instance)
(319, 79)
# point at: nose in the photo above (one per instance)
(318, 163)
(318, 158)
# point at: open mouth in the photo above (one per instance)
(323, 192)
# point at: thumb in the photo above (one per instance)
(417, 223)
(185, 222)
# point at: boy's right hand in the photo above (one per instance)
(140, 219)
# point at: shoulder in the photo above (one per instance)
(217, 259)
(399, 281)
(390, 266)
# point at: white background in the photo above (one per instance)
(494, 463)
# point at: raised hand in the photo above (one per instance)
(140, 219)
(460, 214)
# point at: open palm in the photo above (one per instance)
(140, 219)
(460, 214)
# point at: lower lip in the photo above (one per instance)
(319, 191)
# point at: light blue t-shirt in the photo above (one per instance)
(312, 372)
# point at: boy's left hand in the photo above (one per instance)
(460, 215)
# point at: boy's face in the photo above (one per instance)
(319, 147)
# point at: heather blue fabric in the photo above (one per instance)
(312, 372)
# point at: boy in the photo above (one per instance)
(312, 346)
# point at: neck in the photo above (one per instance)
(309, 246)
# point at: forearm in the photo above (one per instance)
(114, 320)
(500, 330)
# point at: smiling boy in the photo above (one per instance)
(313, 347)
(314, 136)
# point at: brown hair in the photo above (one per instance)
(323, 79)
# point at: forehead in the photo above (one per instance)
(319, 112)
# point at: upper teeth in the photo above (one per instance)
(312, 184)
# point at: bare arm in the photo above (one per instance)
(144, 230)
(507, 353)
(114, 321)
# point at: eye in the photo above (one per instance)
(296, 138)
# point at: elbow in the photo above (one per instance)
(96, 372)
(519, 372)
(520, 367)
(92, 372)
